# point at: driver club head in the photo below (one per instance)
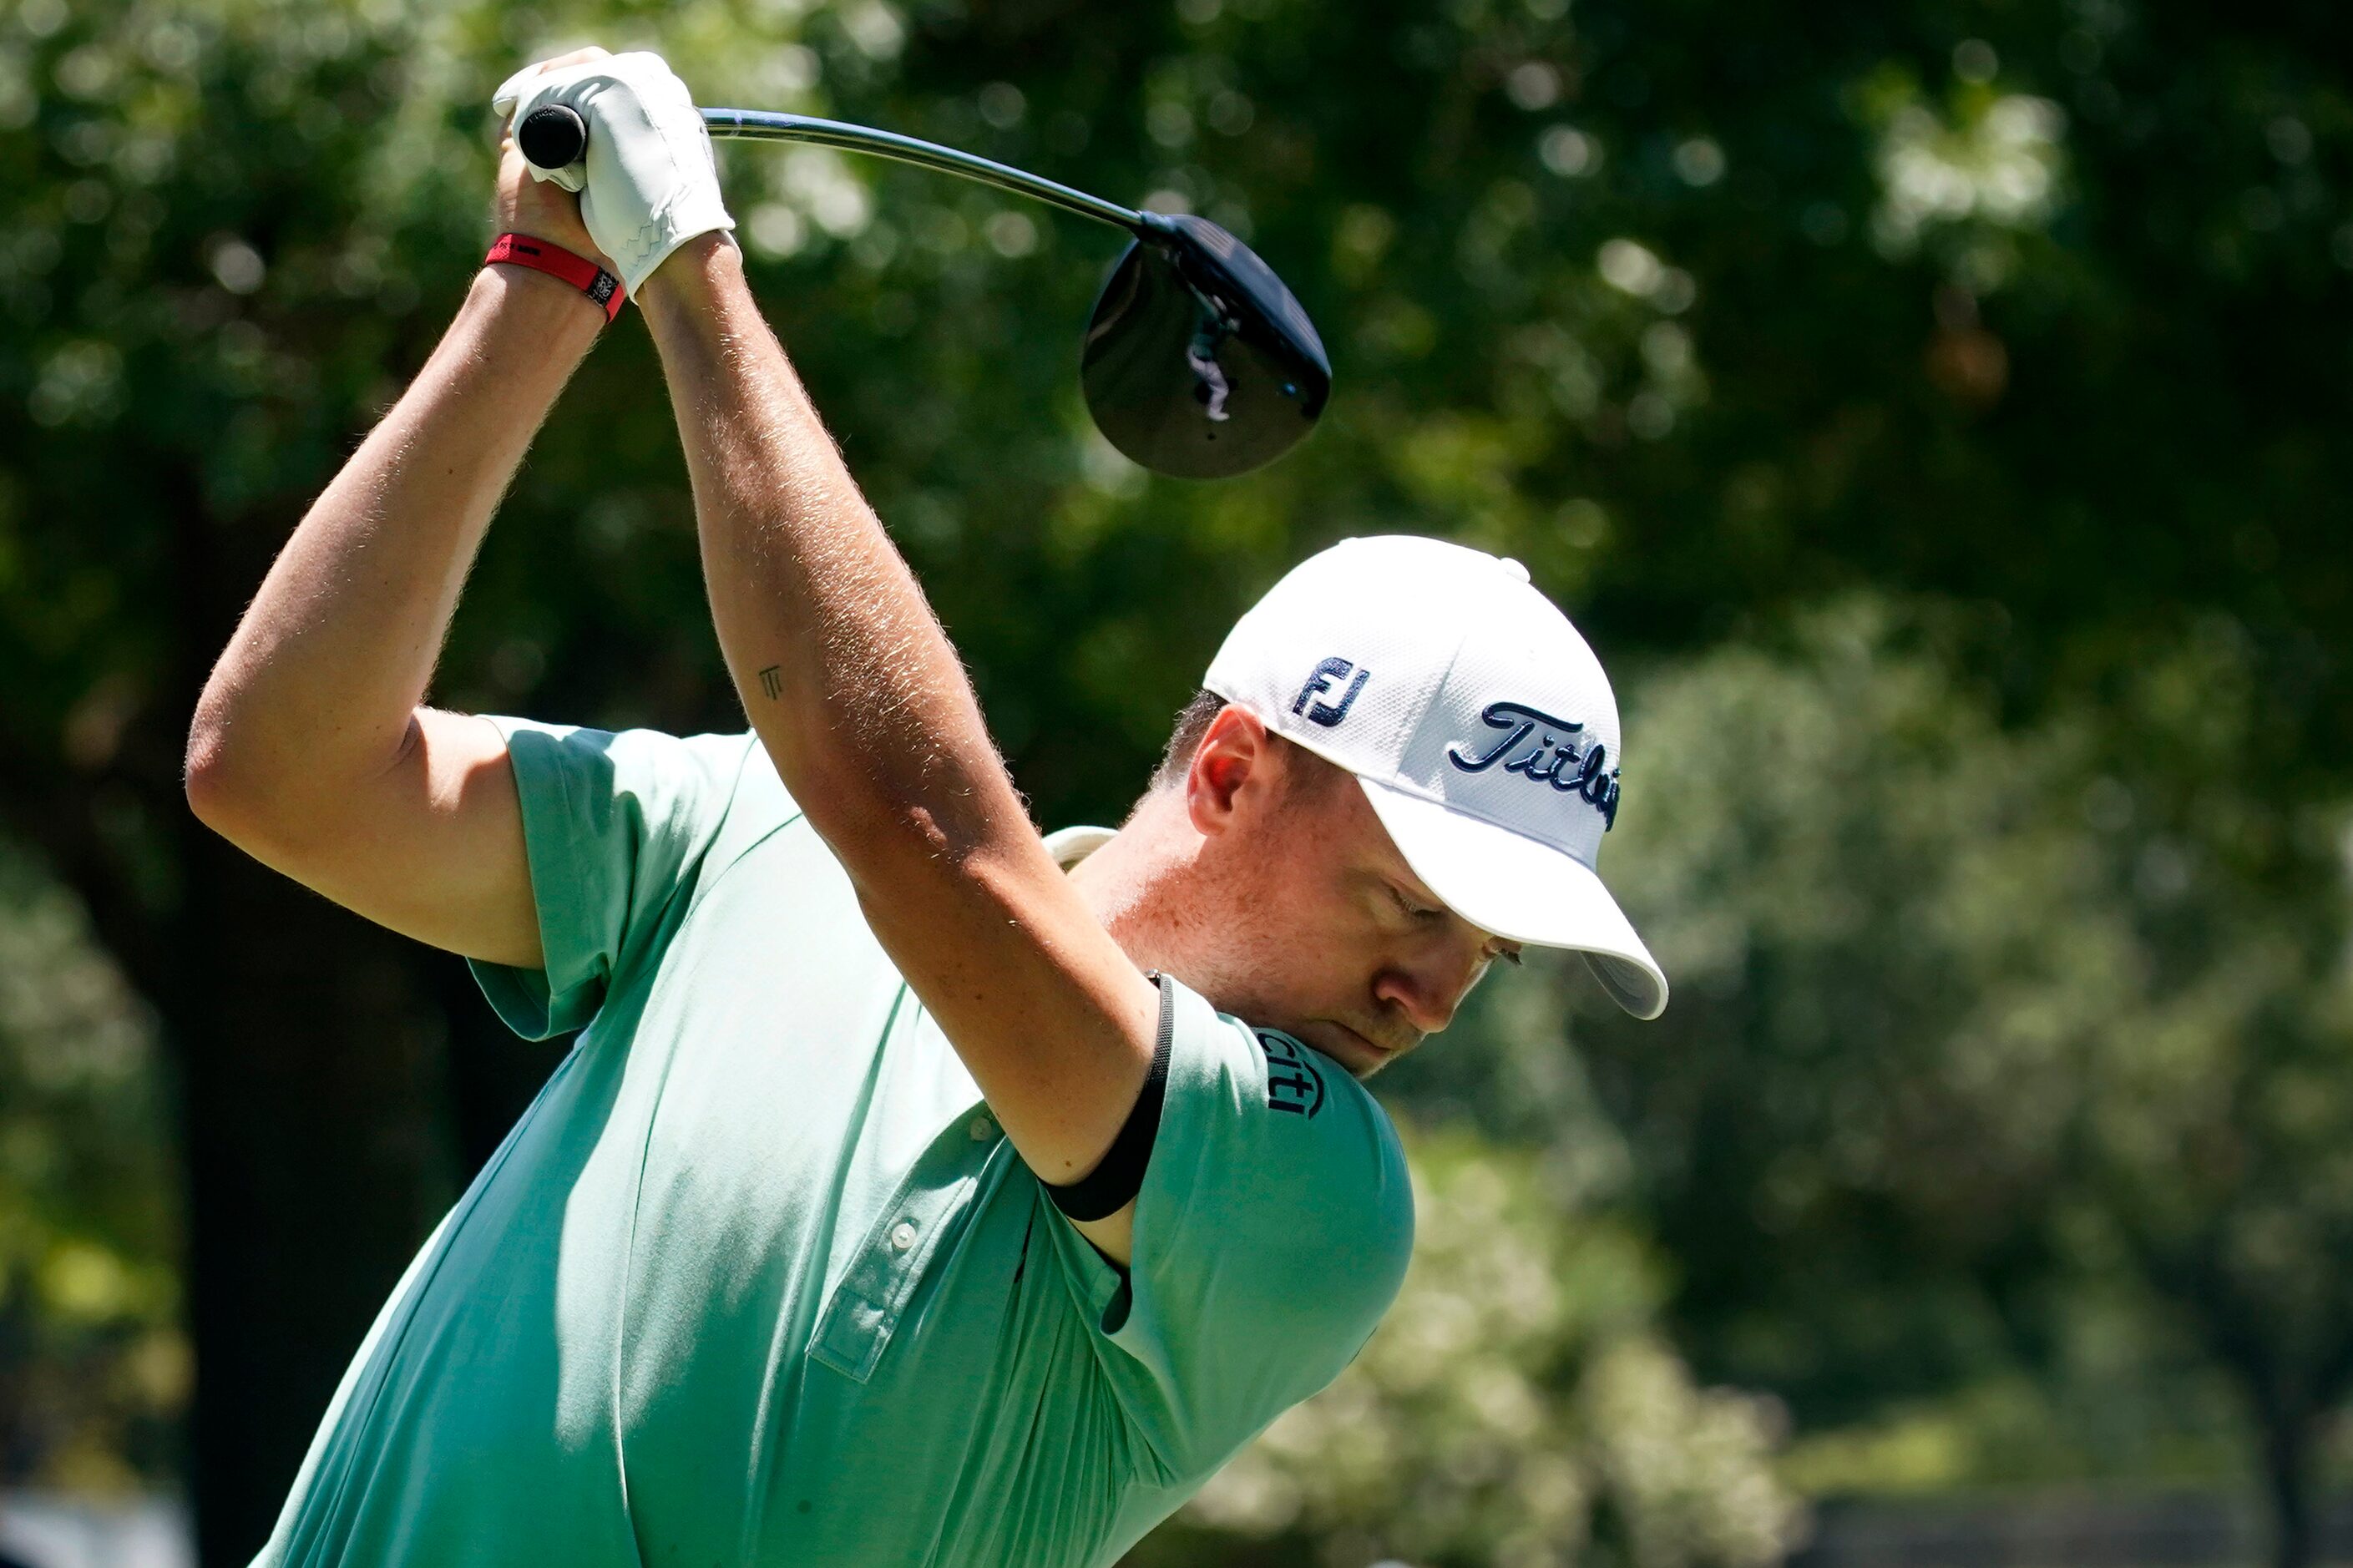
(1199, 363)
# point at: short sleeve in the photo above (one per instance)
(615, 824)
(1271, 1233)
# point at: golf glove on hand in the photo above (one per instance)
(648, 184)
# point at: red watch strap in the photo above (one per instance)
(528, 250)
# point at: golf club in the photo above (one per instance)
(1197, 362)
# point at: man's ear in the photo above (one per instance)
(1230, 770)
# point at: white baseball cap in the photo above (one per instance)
(1478, 722)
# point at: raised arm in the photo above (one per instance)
(311, 748)
(857, 694)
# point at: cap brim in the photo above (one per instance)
(1521, 888)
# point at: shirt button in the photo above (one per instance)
(980, 1129)
(902, 1237)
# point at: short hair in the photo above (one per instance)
(1193, 722)
(1308, 771)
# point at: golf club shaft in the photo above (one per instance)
(762, 125)
(553, 136)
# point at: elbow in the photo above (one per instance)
(215, 795)
(258, 813)
(955, 828)
(892, 841)
(203, 767)
(270, 790)
(210, 765)
(876, 833)
(214, 803)
(914, 854)
(244, 789)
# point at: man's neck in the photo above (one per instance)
(1143, 887)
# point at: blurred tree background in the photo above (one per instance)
(1934, 412)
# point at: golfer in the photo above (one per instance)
(918, 1191)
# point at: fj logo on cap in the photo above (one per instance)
(1327, 679)
(1543, 749)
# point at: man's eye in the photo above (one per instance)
(1418, 911)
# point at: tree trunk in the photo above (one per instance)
(311, 1083)
(2288, 1480)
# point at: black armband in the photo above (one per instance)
(1114, 1181)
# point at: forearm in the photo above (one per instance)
(332, 656)
(845, 672)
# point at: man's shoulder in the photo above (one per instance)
(1304, 1119)
(1297, 1080)
(1302, 1081)
(1274, 1231)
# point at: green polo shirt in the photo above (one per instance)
(757, 1279)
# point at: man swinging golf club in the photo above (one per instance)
(918, 1191)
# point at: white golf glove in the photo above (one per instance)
(648, 184)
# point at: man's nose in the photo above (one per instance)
(1427, 991)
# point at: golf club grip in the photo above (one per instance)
(553, 136)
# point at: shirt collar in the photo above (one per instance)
(1069, 846)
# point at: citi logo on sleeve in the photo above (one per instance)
(1555, 759)
(1293, 1082)
(1326, 679)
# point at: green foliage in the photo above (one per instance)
(93, 1363)
(1998, 1120)
(1515, 1408)
(1973, 1026)
(2007, 934)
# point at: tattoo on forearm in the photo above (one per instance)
(771, 682)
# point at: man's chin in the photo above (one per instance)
(1360, 1055)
